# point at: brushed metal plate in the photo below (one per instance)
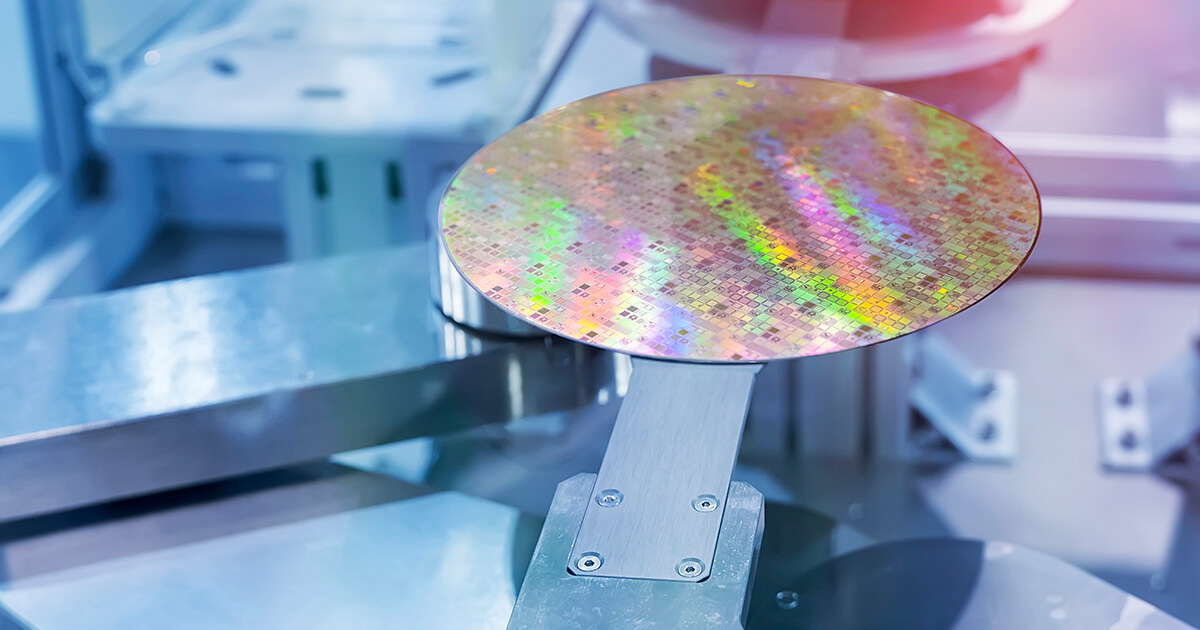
(552, 598)
(675, 440)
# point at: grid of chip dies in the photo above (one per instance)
(740, 218)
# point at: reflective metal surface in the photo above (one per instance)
(462, 303)
(670, 457)
(138, 390)
(436, 562)
(954, 585)
(552, 598)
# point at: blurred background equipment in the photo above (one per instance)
(240, 388)
(866, 41)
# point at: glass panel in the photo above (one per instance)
(19, 155)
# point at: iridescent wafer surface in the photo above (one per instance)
(740, 218)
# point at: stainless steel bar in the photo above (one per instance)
(167, 385)
(661, 491)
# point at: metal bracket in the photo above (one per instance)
(1125, 425)
(553, 598)
(974, 410)
(1154, 423)
(661, 491)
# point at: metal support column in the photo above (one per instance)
(660, 517)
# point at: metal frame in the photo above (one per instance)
(914, 399)
(36, 214)
(82, 220)
(360, 186)
(1119, 237)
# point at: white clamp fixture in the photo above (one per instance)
(1153, 422)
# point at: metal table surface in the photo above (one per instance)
(323, 546)
(957, 585)
(342, 549)
(138, 390)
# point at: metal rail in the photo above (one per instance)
(167, 385)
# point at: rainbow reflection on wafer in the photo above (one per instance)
(740, 218)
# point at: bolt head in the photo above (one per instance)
(609, 498)
(1158, 582)
(689, 567)
(1129, 440)
(988, 431)
(1124, 396)
(787, 600)
(705, 503)
(589, 562)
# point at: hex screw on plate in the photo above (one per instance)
(589, 561)
(689, 567)
(609, 498)
(705, 503)
(987, 387)
(1124, 396)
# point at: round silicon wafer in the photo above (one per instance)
(740, 218)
